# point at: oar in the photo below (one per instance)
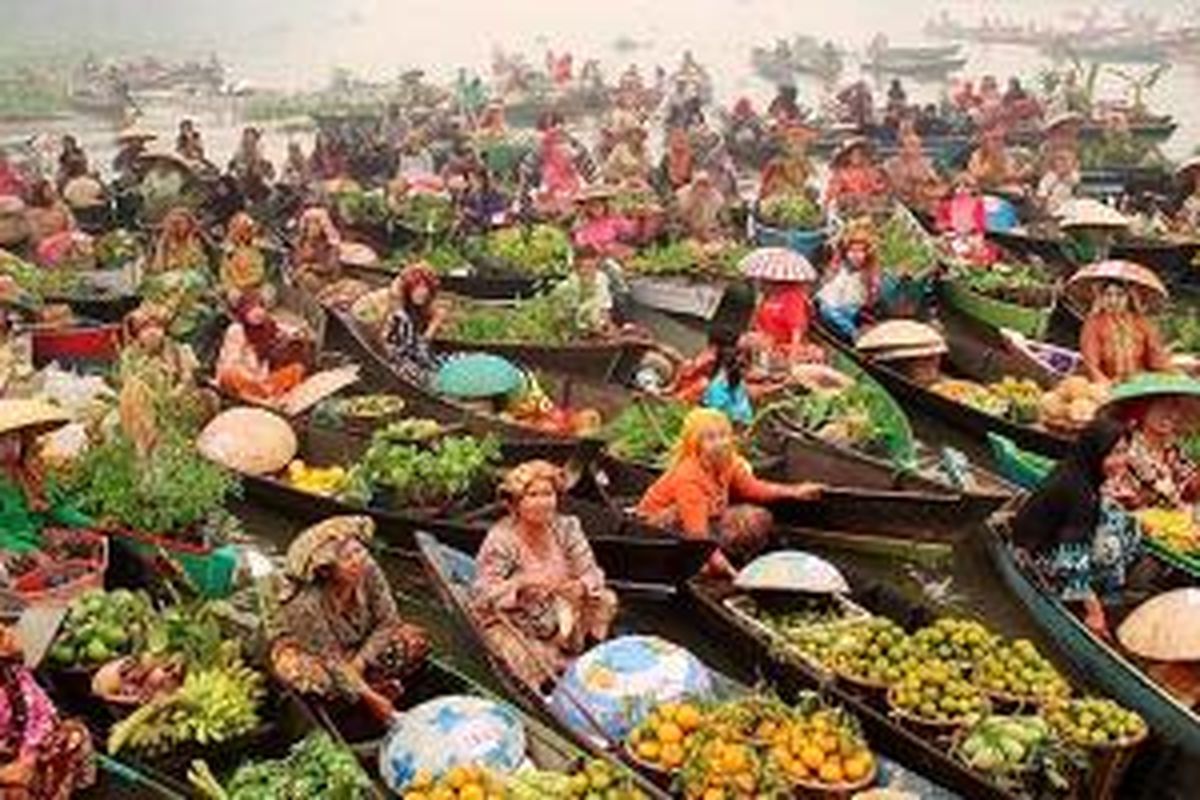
(127, 773)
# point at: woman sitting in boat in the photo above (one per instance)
(1148, 468)
(962, 220)
(1187, 219)
(784, 110)
(745, 134)
(597, 227)
(180, 245)
(560, 180)
(243, 265)
(257, 362)
(851, 284)
(413, 321)
(789, 171)
(147, 336)
(315, 258)
(993, 167)
(1057, 186)
(679, 161)
(335, 631)
(1118, 340)
(538, 592)
(45, 757)
(481, 206)
(46, 214)
(701, 208)
(710, 492)
(725, 388)
(856, 185)
(911, 175)
(626, 166)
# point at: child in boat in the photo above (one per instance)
(538, 593)
(851, 284)
(710, 492)
(335, 631)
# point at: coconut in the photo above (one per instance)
(252, 441)
(1053, 406)
(1165, 627)
(1074, 386)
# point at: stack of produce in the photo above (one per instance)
(1017, 671)
(425, 213)
(1175, 529)
(1073, 403)
(443, 257)
(905, 249)
(358, 208)
(360, 408)
(595, 778)
(538, 251)
(852, 416)
(399, 474)
(116, 249)
(1095, 722)
(936, 692)
(644, 433)
(533, 407)
(315, 767)
(972, 394)
(690, 258)
(791, 211)
(549, 319)
(323, 481)
(664, 737)
(1023, 397)
(1020, 284)
(1008, 748)
(101, 626)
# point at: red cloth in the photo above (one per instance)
(783, 315)
(976, 213)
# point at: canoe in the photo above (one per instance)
(350, 336)
(987, 353)
(969, 420)
(1113, 671)
(451, 571)
(791, 675)
(85, 347)
(805, 241)
(633, 555)
(1029, 321)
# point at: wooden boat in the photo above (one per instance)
(680, 295)
(914, 68)
(988, 353)
(969, 420)
(711, 599)
(1115, 672)
(1029, 321)
(633, 555)
(81, 346)
(451, 573)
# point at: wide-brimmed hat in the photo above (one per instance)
(849, 146)
(898, 339)
(1084, 212)
(1150, 289)
(1165, 627)
(1062, 120)
(34, 415)
(1191, 165)
(595, 193)
(1146, 385)
(133, 133)
(777, 264)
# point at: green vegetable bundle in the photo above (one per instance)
(546, 319)
(904, 249)
(442, 257)
(537, 251)
(644, 433)
(1022, 284)
(117, 248)
(425, 213)
(356, 207)
(687, 257)
(407, 476)
(101, 626)
(791, 211)
(316, 767)
(858, 416)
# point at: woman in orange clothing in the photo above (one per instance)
(1118, 340)
(247, 365)
(710, 492)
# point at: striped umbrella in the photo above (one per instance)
(777, 264)
(1150, 288)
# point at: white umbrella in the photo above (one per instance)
(1165, 627)
(777, 264)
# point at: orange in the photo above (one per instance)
(669, 733)
(672, 755)
(734, 759)
(857, 766)
(713, 793)
(827, 743)
(831, 772)
(648, 750)
(766, 729)
(472, 791)
(812, 757)
(688, 717)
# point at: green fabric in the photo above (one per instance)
(21, 528)
(1155, 384)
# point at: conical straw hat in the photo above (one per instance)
(897, 334)
(1165, 627)
(21, 414)
(1085, 212)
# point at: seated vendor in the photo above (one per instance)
(315, 257)
(789, 171)
(243, 265)
(851, 284)
(1187, 218)
(538, 592)
(781, 323)
(337, 633)
(1058, 185)
(45, 757)
(597, 227)
(701, 208)
(481, 206)
(257, 361)
(1118, 339)
(626, 166)
(412, 321)
(856, 185)
(180, 245)
(911, 175)
(993, 167)
(560, 180)
(710, 492)
(25, 506)
(147, 338)
(46, 214)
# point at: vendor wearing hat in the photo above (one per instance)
(131, 146)
(24, 506)
(851, 284)
(147, 337)
(626, 166)
(911, 175)
(790, 170)
(993, 167)
(1078, 524)
(701, 208)
(856, 184)
(1118, 339)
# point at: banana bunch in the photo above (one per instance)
(213, 705)
(1174, 528)
(325, 481)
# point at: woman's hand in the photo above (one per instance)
(804, 491)
(1094, 617)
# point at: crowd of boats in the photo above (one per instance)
(433, 336)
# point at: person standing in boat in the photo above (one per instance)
(253, 171)
(334, 628)
(538, 591)
(852, 280)
(560, 179)
(710, 492)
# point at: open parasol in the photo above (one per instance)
(791, 571)
(1165, 627)
(778, 265)
(252, 441)
(477, 376)
(1084, 212)
(1150, 289)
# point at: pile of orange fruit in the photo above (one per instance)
(661, 739)
(464, 782)
(822, 747)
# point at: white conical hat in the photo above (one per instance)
(896, 334)
(1165, 627)
(1084, 212)
(792, 571)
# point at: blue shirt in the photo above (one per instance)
(735, 402)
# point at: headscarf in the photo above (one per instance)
(418, 274)
(169, 243)
(695, 423)
(1066, 508)
(517, 480)
(320, 545)
(145, 315)
(262, 335)
(242, 230)
(319, 216)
